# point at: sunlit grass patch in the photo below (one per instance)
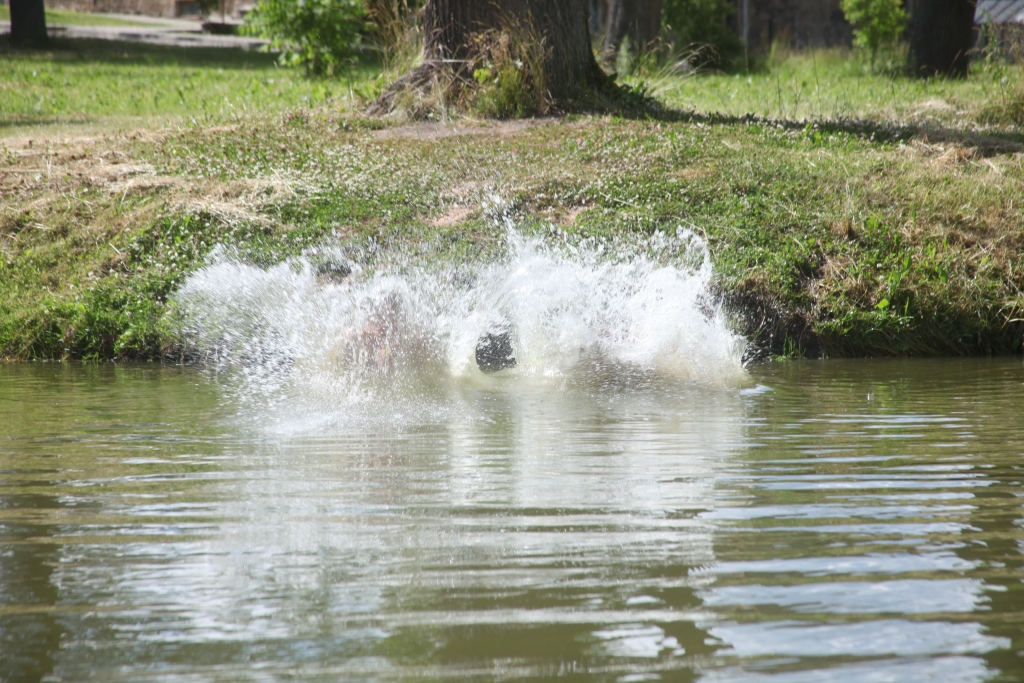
(105, 82)
(835, 84)
(1006, 107)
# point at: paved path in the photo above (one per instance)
(156, 31)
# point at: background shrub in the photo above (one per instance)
(877, 24)
(693, 23)
(321, 35)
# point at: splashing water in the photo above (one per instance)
(401, 338)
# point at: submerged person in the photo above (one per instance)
(385, 335)
(373, 343)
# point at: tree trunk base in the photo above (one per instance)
(940, 37)
(28, 23)
(432, 91)
(502, 58)
(424, 90)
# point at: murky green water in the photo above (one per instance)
(860, 521)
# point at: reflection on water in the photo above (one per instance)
(842, 521)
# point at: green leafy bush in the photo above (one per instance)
(319, 34)
(877, 24)
(693, 23)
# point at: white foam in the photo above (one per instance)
(400, 338)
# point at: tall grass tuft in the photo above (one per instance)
(502, 76)
(661, 66)
(397, 33)
(1004, 51)
(694, 23)
(509, 73)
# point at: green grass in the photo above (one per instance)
(56, 17)
(106, 83)
(826, 238)
(837, 84)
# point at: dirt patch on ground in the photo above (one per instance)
(436, 131)
(569, 216)
(44, 140)
(453, 216)
(466, 189)
(693, 173)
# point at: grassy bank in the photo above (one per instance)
(826, 239)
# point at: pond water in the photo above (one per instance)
(337, 492)
(817, 521)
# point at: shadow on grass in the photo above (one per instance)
(615, 99)
(24, 121)
(95, 50)
(985, 143)
(634, 103)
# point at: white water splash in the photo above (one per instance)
(400, 339)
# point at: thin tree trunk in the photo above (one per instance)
(561, 24)
(940, 37)
(639, 20)
(28, 23)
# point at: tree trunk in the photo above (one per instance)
(28, 23)
(940, 38)
(640, 20)
(563, 25)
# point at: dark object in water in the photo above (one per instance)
(494, 351)
(331, 272)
